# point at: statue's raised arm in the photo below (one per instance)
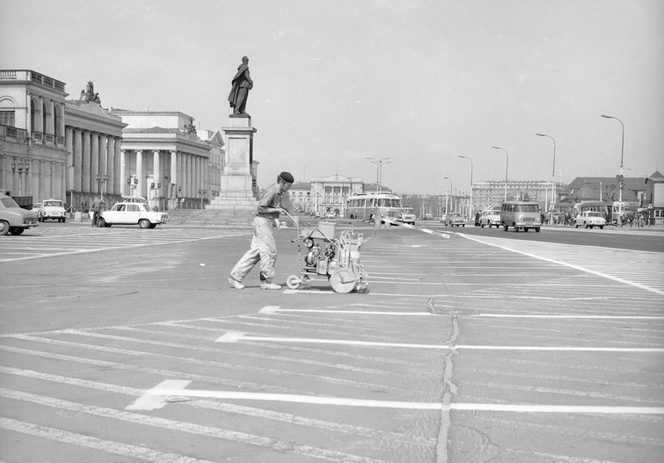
(241, 84)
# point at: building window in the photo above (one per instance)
(7, 117)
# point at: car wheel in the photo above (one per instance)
(464, 225)
(482, 225)
(102, 222)
(537, 229)
(591, 227)
(505, 227)
(516, 229)
(144, 223)
(16, 230)
(4, 228)
(576, 225)
(526, 229)
(601, 227)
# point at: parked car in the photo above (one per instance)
(406, 215)
(51, 209)
(590, 219)
(490, 218)
(14, 219)
(427, 217)
(454, 220)
(132, 213)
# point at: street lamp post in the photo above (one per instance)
(620, 177)
(446, 208)
(379, 169)
(507, 163)
(101, 179)
(553, 172)
(471, 184)
(20, 167)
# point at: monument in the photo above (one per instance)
(238, 192)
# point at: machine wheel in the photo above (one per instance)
(343, 281)
(4, 228)
(16, 230)
(144, 223)
(293, 282)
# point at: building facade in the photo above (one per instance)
(164, 161)
(492, 193)
(33, 152)
(330, 193)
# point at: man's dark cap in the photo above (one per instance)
(286, 177)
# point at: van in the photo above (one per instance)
(520, 214)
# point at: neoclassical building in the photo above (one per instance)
(33, 153)
(164, 160)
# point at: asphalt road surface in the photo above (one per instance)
(128, 345)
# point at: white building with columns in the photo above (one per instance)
(163, 159)
(33, 154)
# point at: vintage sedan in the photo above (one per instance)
(406, 215)
(52, 209)
(454, 220)
(14, 219)
(130, 213)
(490, 218)
(590, 219)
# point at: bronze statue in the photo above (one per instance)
(242, 83)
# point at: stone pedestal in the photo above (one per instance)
(237, 192)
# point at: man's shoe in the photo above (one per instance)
(269, 286)
(235, 284)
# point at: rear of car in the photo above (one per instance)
(590, 219)
(520, 215)
(406, 216)
(490, 218)
(52, 209)
(454, 220)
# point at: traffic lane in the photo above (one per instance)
(651, 240)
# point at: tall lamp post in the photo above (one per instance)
(507, 163)
(620, 177)
(553, 172)
(101, 179)
(451, 202)
(471, 184)
(379, 169)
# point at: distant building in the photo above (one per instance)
(330, 193)
(492, 193)
(163, 159)
(300, 194)
(654, 199)
(604, 189)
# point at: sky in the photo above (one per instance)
(420, 82)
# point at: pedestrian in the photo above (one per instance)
(263, 249)
(96, 208)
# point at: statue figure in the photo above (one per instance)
(242, 83)
(90, 95)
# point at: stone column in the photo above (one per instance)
(94, 162)
(119, 178)
(69, 167)
(139, 173)
(123, 174)
(78, 160)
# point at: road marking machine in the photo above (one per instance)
(326, 258)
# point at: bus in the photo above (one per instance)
(369, 206)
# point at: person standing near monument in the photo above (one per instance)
(242, 83)
(263, 249)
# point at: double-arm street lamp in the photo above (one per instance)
(471, 183)
(452, 201)
(507, 164)
(20, 168)
(620, 177)
(553, 172)
(379, 169)
(101, 179)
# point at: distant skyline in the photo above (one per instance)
(419, 81)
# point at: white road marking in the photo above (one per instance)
(234, 336)
(150, 401)
(272, 311)
(117, 448)
(557, 409)
(598, 317)
(575, 267)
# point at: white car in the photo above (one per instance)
(129, 213)
(51, 209)
(590, 219)
(406, 215)
(490, 218)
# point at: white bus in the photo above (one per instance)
(369, 206)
